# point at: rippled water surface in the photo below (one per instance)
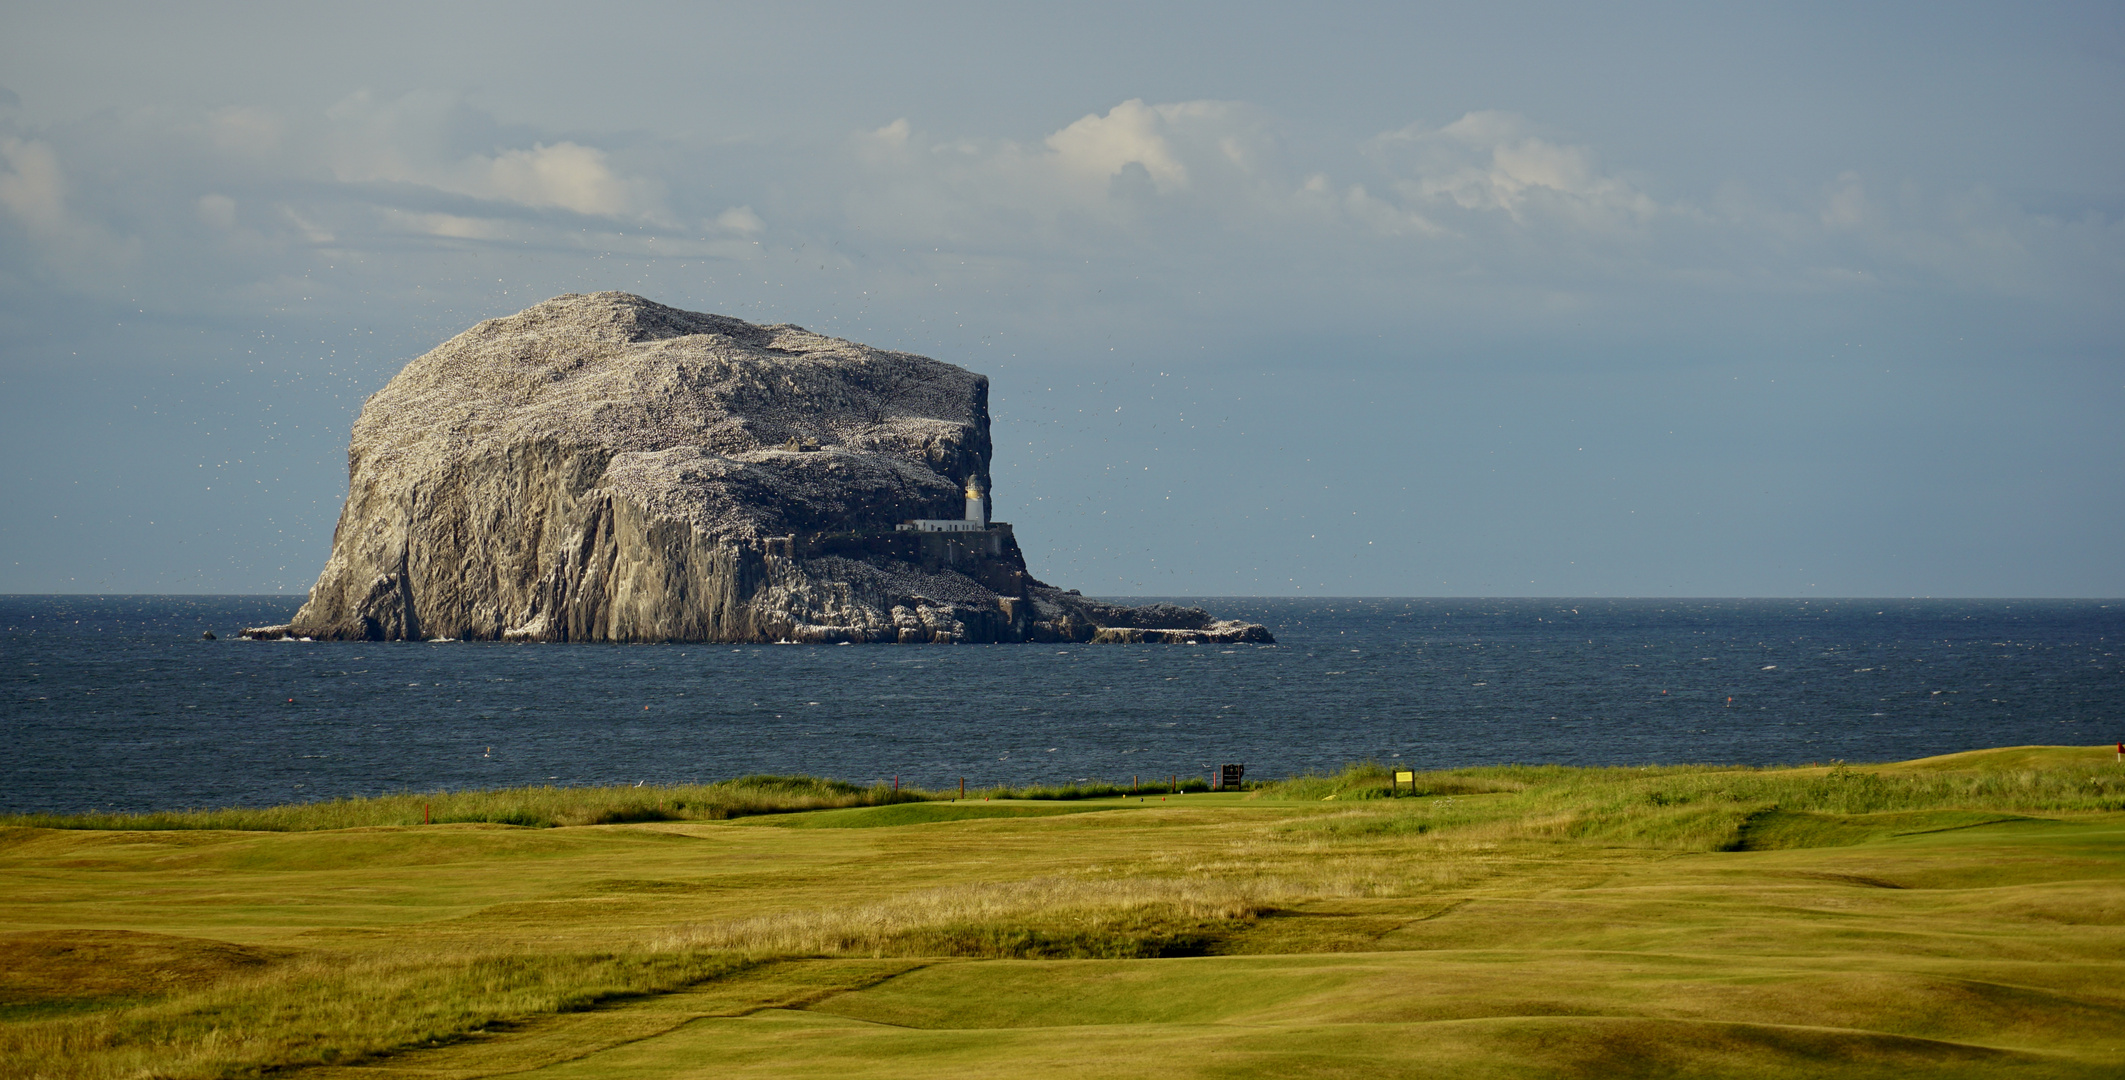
(118, 702)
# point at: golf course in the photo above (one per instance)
(1960, 915)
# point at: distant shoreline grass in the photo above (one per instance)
(531, 807)
(552, 807)
(1624, 793)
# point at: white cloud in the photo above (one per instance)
(1973, 241)
(218, 211)
(1205, 197)
(1137, 167)
(1131, 132)
(893, 135)
(566, 175)
(1382, 216)
(410, 140)
(1469, 182)
(310, 231)
(740, 219)
(1490, 161)
(1488, 205)
(247, 129)
(33, 188)
(1845, 204)
(449, 226)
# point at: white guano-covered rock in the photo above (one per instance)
(604, 468)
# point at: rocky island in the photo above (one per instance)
(605, 468)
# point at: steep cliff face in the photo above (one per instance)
(605, 468)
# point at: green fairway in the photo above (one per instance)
(1956, 916)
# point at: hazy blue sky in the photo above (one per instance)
(1497, 299)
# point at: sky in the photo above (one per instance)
(1331, 299)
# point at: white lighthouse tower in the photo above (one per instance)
(977, 507)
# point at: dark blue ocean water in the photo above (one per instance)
(117, 702)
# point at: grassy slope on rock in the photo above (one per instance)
(1962, 915)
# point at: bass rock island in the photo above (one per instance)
(604, 468)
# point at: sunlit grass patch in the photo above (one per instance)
(1048, 917)
(332, 1008)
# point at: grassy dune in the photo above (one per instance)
(1961, 915)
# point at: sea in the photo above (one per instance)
(123, 703)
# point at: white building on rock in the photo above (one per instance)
(977, 519)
